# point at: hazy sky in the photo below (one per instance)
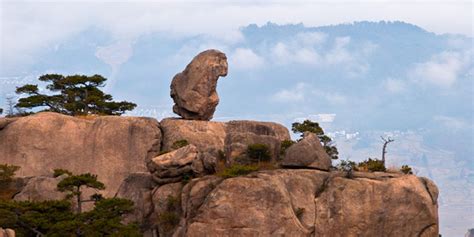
(28, 26)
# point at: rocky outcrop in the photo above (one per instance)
(8, 189)
(41, 188)
(399, 206)
(231, 139)
(206, 136)
(308, 153)
(302, 202)
(138, 187)
(7, 232)
(176, 165)
(110, 146)
(241, 134)
(194, 90)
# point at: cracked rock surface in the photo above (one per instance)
(306, 202)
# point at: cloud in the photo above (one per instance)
(31, 26)
(320, 118)
(244, 58)
(315, 50)
(452, 122)
(295, 94)
(394, 85)
(441, 70)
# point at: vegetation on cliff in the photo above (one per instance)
(57, 218)
(72, 95)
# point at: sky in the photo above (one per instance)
(362, 69)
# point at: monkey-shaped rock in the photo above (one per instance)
(194, 89)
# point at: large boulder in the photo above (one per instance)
(206, 136)
(174, 166)
(110, 146)
(308, 153)
(402, 206)
(194, 89)
(305, 202)
(241, 134)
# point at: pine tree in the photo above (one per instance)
(74, 184)
(72, 95)
(310, 126)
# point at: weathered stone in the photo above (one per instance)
(166, 203)
(174, 165)
(207, 136)
(138, 187)
(110, 146)
(41, 188)
(307, 153)
(194, 90)
(364, 207)
(237, 144)
(304, 202)
(259, 128)
(241, 134)
(7, 232)
(263, 204)
(9, 189)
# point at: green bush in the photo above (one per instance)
(237, 170)
(258, 152)
(221, 155)
(59, 172)
(348, 167)
(180, 143)
(169, 219)
(371, 165)
(285, 145)
(406, 169)
(7, 172)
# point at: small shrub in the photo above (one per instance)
(371, 165)
(406, 169)
(59, 172)
(180, 143)
(348, 167)
(221, 155)
(172, 203)
(7, 172)
(285, 145)
(186, 178)
(237, 170)
(299, 212)
(258, 152)
(168, 220)
(163, 152)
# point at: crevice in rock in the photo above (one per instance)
(155, 148)
(425, 229)
(293, 167)
(188, 217)
(323, 187)
(425, 184)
